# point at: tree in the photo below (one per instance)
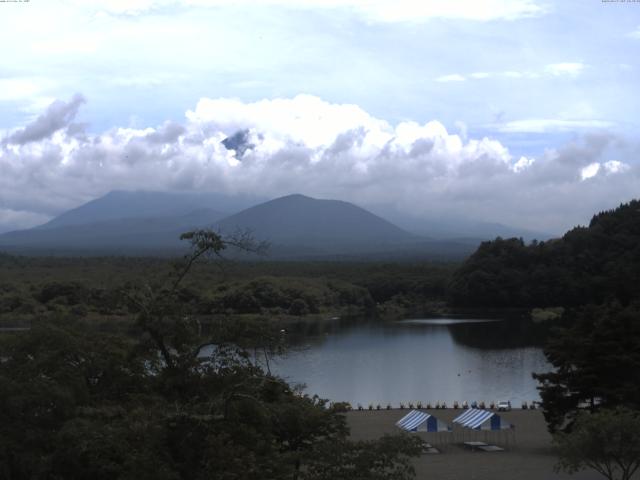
(384, 459)
(596, 363)
(607, 441)
(164, 401)
(593, 264)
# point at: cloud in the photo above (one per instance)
(635, 33)
(17, 220)
(66, 46)
(477, 10)
(58, 115)
(589, 171)
(372, 10)
(572, 69)
(523, 164)
(17, 88)
(611, 167)
(304, 144)
(124, 7)
(169, 132)
(543, 125)
(615, 166)
(455, 77)
(28, 92)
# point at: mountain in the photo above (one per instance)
(123, 234)
(459, 228)
(296, 226)
(323, 225)
(117, 205)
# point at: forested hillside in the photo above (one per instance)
(591, 264)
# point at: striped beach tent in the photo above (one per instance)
(417, 421)
(477, 419)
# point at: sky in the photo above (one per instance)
(522, 112)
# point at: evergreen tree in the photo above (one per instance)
(596, 362)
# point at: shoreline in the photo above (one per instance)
(531, 457)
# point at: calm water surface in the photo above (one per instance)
(436, 359)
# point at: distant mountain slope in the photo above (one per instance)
(591, 264)
(445, 227)
(296, 226)
(324, 225)
(124, 233)
(140, 204)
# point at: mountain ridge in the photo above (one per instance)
(120, 204)
(299, 219)
(296, 225)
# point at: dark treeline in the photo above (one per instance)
(596, 355)
(32, 287)
(591, 264)
(594, 274)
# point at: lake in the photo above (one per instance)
(428, 360)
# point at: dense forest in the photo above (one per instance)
(591, 264)
(80, 399)
(103, 373)
(90, 288)
(593, 274)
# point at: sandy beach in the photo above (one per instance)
(529, 458)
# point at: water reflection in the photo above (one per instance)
(443, 359)
(445, 321)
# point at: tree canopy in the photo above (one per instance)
(596, 363)
(607, 441)
(591, 264)
(163, 402)
(594, 273)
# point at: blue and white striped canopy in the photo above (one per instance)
(481, 420)
(417, 421)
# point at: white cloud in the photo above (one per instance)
(123, 7)
(523, 164)
(304, 144)
(454, 77)
(589, 171)
(512, 74)
(615, 166)
(30, 93)
(553, 70)
(571, 69)
(305, 119)
(543, 125)
(372, 10)
(635, 33)
(66, 46)
(479, 10)
(16, 89)
(610, 167)
(148, 80)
